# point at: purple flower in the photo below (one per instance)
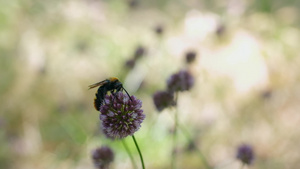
(102, 157)
(180, 81)
(121, 116)
(245, 154)
(163, 99)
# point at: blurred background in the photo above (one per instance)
(246, 74)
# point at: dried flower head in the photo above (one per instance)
(180, 81)
(163, 99)
(102, 157)
(190, 57)
(120, 115)
(245, 154)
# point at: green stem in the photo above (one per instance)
(129, 153)
(174, 155)
(137, 147)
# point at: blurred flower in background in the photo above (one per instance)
(159, 29)
(190, 57)
(102, 157)
(137, 55)
(245, 154)
(163, 99)
(130, 63)
(220, 29)
(139, 52)
(180, 81)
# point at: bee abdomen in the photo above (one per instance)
(97, 104)
(100, 95)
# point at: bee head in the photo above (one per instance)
(118, 85)
(115, 83)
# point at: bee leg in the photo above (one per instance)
(126, 93)
(114, 94)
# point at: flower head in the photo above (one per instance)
(163, 99)
(180, 81)
(139, 52)
(159, 29)
(130, 63)
(102, 157)
(133, 3)
(245, 154)
(220, 29)
(190, 57)
(120, 115)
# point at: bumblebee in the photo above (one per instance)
(112, 84)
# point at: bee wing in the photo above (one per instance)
(97, 84)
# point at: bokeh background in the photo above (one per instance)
(246, 80)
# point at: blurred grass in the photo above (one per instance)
(50, 51)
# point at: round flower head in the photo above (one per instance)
(102, 157)
(163, 99)
(245, 154)
(180, 81)
(190, 57)
(120, 115)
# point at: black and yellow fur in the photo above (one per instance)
(111, 84)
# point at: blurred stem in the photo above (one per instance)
(174, 153)
(129, 153)
(137, 147)
(242, 166)
(189, 138)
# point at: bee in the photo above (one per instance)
(111, 84)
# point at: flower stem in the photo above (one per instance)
(242, 166)
(137, 147)
(129, 153)
(174, 155)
